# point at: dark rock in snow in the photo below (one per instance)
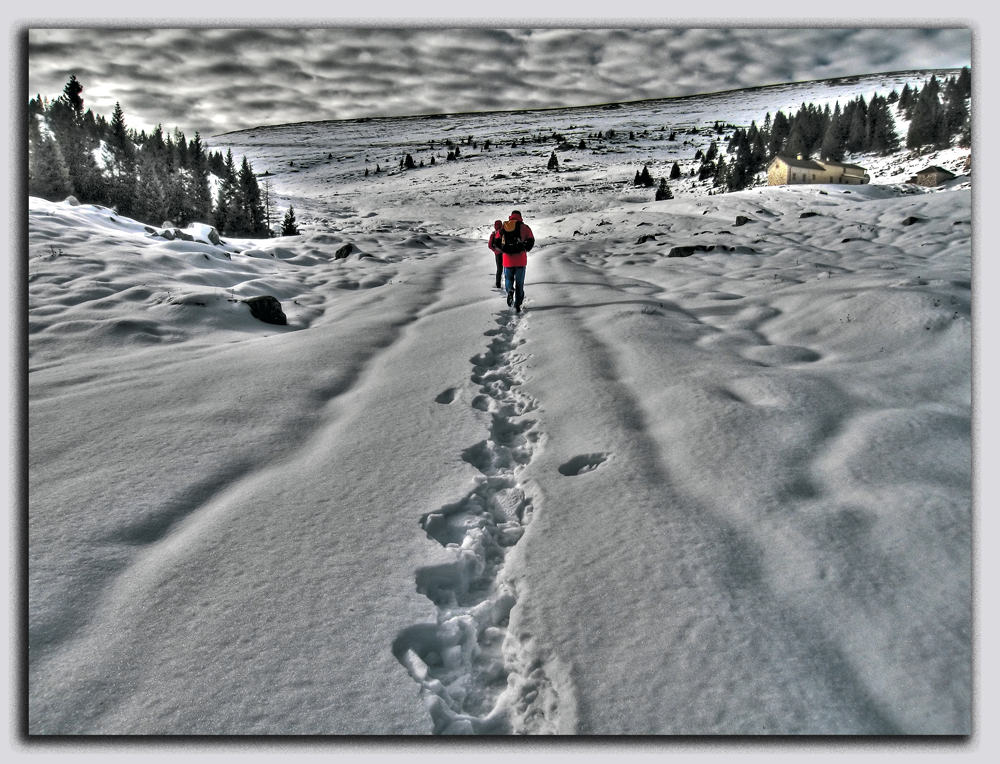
(72, 201)
(183, 236)
(646, 237)
(343, 252)
(213, 236)
(167, 234)
(267, 309)
(808, 215)
(688, 250)
(911, 220)
(166, 224)
(742, 220)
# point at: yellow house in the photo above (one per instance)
(782, 171)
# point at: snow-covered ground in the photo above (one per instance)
(726, 492)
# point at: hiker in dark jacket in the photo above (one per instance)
(515, 239)
(495, 249)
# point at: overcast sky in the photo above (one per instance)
(218, 80)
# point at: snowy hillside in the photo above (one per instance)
(319, 167)
(715, 479)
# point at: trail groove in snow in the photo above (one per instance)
(473, 672)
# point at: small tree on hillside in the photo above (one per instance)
(288, 225)
(675, 171)
(663, 192)
(553, 162)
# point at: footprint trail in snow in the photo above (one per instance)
(473, 673)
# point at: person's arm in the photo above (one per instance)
(528, 238)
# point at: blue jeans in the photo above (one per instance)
(514, 279)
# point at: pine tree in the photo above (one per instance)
(663, 192)
(884, 139)
(553, 162)
(926, 119)
(255, 219)
(124, 187)
(856, 129)
(227, 203)
(904, 99)
(675, 171)
(408, 163)
(48, 177)
(645, 178)
(832, 147)
(199, 190)
(71, 95)
(288, 225)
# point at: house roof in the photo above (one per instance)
(935, 168)
(805, 164)
(810, 164)
(845, 165)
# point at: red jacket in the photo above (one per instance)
(520, 259)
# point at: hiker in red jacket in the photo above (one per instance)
(515, 239)
(495, 248)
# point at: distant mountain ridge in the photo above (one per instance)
(853, 81)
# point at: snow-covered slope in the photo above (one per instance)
(723, 492)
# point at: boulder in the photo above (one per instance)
(690, 249)
(911, 220)
(72, 201)
(267, 309)
(646, 237)
(808, 215)
(742, 220)
(343, 252)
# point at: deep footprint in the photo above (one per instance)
(448, 396)
(578, 465)
(467, 665)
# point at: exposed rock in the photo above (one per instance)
(343, 252)
(167, 234)
(742, 220)
(808, 215)
(166, 224)
(267, 309)
(646, 237)
(213, 236)
(183, 236)
(690, 249)
(911, 220)
(72, 201)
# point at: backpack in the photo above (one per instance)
(509, 238)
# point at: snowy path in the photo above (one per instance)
(724, 493)
(317, 492)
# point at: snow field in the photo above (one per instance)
(715, 480)
(471, 668)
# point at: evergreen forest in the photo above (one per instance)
(152, 178)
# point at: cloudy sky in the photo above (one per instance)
(214, 80)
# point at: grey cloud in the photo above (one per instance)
(216, 80)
